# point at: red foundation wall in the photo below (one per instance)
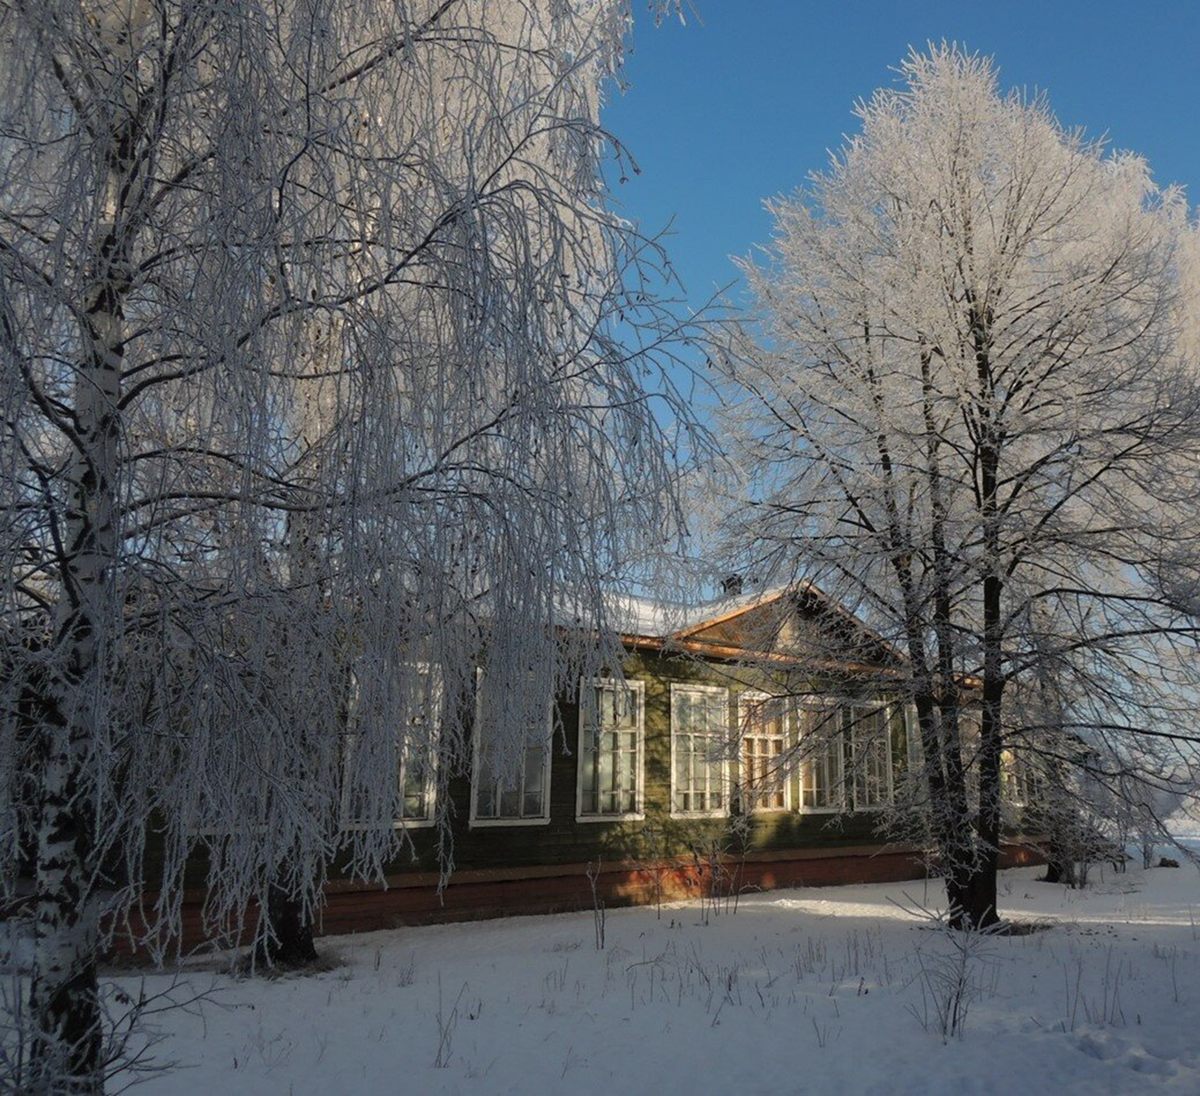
(413, 899)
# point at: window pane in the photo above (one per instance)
(485, 800)
(869, 748)
(589, 791)
(698, 720)
(764, 777)
(622, 776)
(683, 773)
(821, 773)
(535, 773)
(509, 787)
(412, 723)
(414, 805)
(605, 707)
(611, 758)
(1022, 781)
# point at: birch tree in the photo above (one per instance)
(971, 418)
(312, 405)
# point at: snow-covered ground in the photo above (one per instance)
(810, 990)
(818, 990)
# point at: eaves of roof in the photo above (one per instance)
(726, 653)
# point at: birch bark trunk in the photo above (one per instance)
(63, 994)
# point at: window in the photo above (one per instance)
(699, 731)
(1022, 781)
(417, 788)
(871, 755)
(846, 756)
(611, 734)
(912, 734)
(821, 781)
(512, 780)
(417, 750)
(764, 732)
(970, 730)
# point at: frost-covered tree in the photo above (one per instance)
(971, 417)
(311, 407)
(1100, 742)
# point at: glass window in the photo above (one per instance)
(821, 781)
(416, 750)
(912, 733)
(1022, 782)
(871, 759)
(699, 731)
(512, 773)
(611, 731)
(764, 745)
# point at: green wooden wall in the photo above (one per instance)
(564, 840)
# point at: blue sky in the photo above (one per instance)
(724, 113)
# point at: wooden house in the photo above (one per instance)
(752, 744)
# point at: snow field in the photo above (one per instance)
(807, 990)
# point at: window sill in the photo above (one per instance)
(634, 816)
(495, 823)
(397, 824)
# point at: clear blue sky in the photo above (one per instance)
(740, 107)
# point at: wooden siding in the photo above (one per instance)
(504, 869)
(563, 840)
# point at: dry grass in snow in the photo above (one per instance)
(832, 990)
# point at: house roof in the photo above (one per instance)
(731, 627)
(653, 619)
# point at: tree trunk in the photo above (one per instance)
(1060, 864)
(288, 939)
(64, 998)
(947, 782)
(286, 936)
(981, 904)
(1068, 854)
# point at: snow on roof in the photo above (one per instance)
(658, 619)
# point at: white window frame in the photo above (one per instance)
(970, 731)
(884, 707)
(475, 822)
(1018, 780)
(786, 718)
(912, 738)
(825, 704)
(678, 689)
(638, 690)
(402, 823)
